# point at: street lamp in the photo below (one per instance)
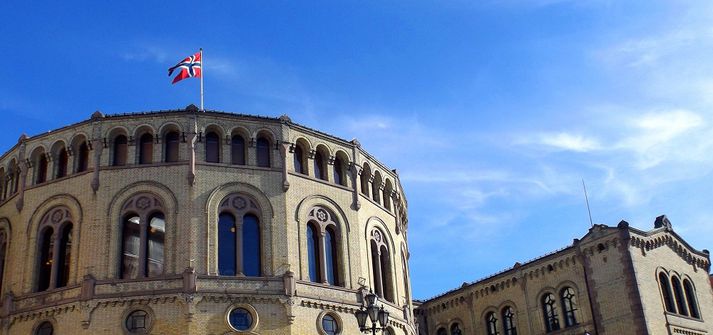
(374, 313)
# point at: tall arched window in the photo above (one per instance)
(404, 268)
(388, 189)
(666, 293)
(82, 157)
(339, 171)
(237, 150)
(365, 177)
(491, 324)
(239, 237)
(323, 247)
(678, 294)
(320, 168)
(299, 159)
(3, 254)
(171, 141)
(120, 150)
(509, 325)
(55, 249)
(62, 160)
(381, 266)
(569, 306)
(143, 237)
(212, 147)
(146, 149)
(41, 172)
(15, 178)
(690, 297)
(263, 152)
(549, 309)
(376, 187)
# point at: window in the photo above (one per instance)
(569, 306)
(329, 324)
(3, 253)
(323, 236)
(491, 324)
(55, 250)
(339, 175)
(146, 149)
(143, 237)
(320, 170)
(455, 329)
(442, 331)
(82, 157)
(212, 147)
(237, 150)
(240, 319)
(120, 150)
(239, 237)
(263, 152)
(171, 141)
(666, 293)
(41, 171)
(678, 294)
(45, 328)
(388, 189)
(299, 159)
(690, 297)
(364, 177)
(137, 322)
(404, 268)
(62, 159)
(509, 327)
(381, 266)
(549, 309)
(376, 187)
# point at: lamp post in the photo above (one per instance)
(374, 313)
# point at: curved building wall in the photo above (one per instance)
(95, 230)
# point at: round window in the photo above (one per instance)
(137, 322)
(240, 319)
(329, 324)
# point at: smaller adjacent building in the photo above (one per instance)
(614, 280)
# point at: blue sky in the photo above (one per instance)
(491, 111)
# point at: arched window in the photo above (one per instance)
(212, 147)
(323, 247)
(143, 237)
(65, 255)
(41, 171)
(365, 176)
(55, 249)
(491, 324)
(15, 178)
(381, 266)
(509, 325)
(320, 170)
(666, 293)
(312, 253)
(455, 329)
(82, 157)
(376, 187)
(299, 159)
(146, 149)
(237, 150)
(388, 189)
(120, 150)
(45, 328)
(690, 297)
(569, 306)
(678, 294)
(3, 254)
(171, 141)
(62, 159)
(339, 172)
(239, 237)
(404, 268)
(549, 309)
(263, 152)
(441, 331)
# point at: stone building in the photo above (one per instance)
(613, 281)
(188, 222)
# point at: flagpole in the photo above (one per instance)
(202, 69)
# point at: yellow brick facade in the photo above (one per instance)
(189, 297)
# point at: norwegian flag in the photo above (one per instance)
(190, 67)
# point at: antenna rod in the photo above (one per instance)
(586, 198)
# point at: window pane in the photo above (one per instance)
(146, 149)
(41, 169)
(83, 157)
(329, 324)
(330, 249)
(690, 297)
(171, 150)
(62, 160)
(312, 252)
(666, 291)
(45, 329)
(386, 274)
(263, 152)
(227, 240)
(3, 252)
(318, 166)
(569, 306)
(65, 256)
(156, 241)
(137, 322)
(338, 172)
(46, 248)
(120, 150)
(550, 312)
(130, 247)
(298, 156)
(251, 246)
(237, 150)
(212, 147)
(678, 294)
(240, 319)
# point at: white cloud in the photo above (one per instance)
(571, 142)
